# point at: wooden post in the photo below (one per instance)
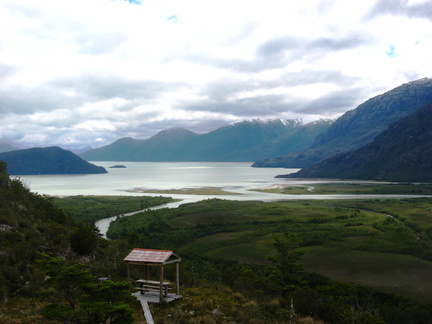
(128, 272)
(161, 284)
(177, 278)
(146, 272)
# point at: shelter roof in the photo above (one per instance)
(151, 256)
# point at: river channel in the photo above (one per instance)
(235, 177)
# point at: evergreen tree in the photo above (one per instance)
(75, 296)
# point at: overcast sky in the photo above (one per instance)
(88, 72)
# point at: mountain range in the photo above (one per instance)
(401, 153)
(48, 160)
(359, 127)
(237, 142)
(361, 144)
(7, 148)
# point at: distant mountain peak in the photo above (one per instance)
(359, 126)
(401, 153)
(174, 132)
(267, 121)
(244, 141)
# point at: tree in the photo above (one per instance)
(75, 296)
(287, 263)
(84, 239)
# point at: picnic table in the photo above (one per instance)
(152, 285)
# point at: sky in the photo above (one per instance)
(88, 72)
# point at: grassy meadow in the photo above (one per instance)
(353, 188)
(384, 243)
(88, 209)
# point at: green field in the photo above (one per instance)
(88, 209)
(187, 191)
(352, 188)
(402, 274)
(385, 244)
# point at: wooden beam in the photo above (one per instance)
(177, 278)
(146, 272)
(147, 313)
(161, 284)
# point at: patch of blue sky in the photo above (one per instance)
(135, 2)
(391, 51)
(172, 18)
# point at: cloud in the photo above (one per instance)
(105, 86)
(5, 72)
(21, 100)
(420, 9)
(87, 72)
(282, 51)
(334, 102)
(101, 43)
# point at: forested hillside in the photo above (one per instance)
(47, 160)
(6, 148)
(401, 153)
(268, 242)
(359, 126)
(50, 264)
(39, 241)
(244, 141)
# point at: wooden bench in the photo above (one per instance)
(151, 285)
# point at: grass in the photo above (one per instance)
(188, 191)
(354, 188)
(383, 243)
(89, 209)
(403, 274)
(244, 253)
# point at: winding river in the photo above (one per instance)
(234, 177)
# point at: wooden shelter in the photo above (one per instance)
(154, 258)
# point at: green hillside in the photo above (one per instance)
(47, 160)
(238, 142)
(241, 261)
(359, 126)
(401, 153)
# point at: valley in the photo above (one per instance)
(343, 239)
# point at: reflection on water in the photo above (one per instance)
(238, 177)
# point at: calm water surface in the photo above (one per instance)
(238, 177)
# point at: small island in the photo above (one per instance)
(118, 166)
